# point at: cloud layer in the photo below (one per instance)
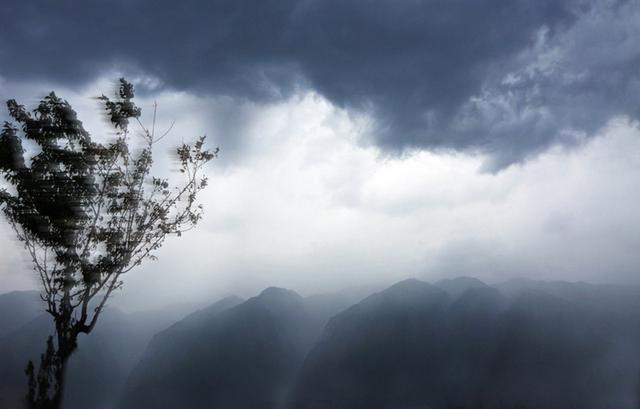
(507, 79)
(310, 209)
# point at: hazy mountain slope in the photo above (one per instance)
(243, 357)
(603, 297)
(383, 352)
(18, 308)
(472, 322)
(16, 349)
(322, 307)
(23, 330)
(179, 332)
(456, 344)
(411, 347)
(554, 352)
(98, 368)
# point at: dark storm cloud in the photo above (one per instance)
(504, 77)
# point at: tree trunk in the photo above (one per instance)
(64, 352)
(46, 389)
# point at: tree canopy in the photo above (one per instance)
(88, 212)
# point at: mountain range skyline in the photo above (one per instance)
(459, 335)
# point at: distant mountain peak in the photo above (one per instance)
(278, 299)
(409, 284)
(272, 293)
(407, 292)
(457, 286)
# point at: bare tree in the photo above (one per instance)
(87, 213)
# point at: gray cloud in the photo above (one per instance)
(505, 78)
(311, 210)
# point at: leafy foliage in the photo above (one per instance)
(88, 212)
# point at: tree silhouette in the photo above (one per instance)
(87, 213)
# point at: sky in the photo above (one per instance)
(362, 142)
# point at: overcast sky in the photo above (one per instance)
(363, 141)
